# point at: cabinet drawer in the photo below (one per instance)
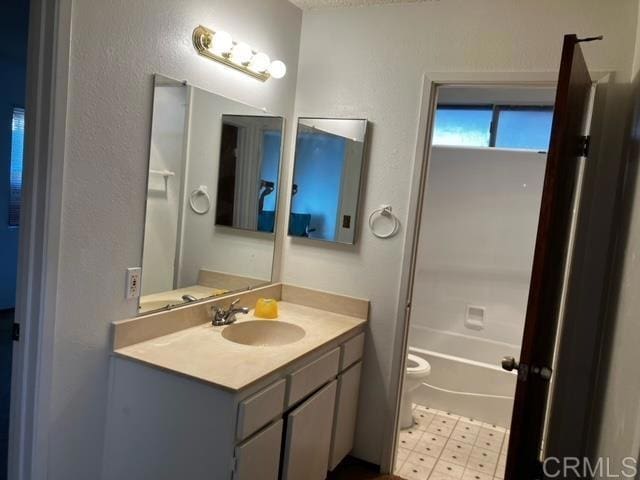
(304, 381)
(259, 457)
(352, 351)
(258, 410)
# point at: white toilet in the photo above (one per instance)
(417, 370)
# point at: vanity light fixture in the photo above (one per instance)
(221, 47)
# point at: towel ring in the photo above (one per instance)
(385, 211)
(202, 190)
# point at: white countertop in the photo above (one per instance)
(204, 354)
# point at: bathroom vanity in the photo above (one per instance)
(257, 399)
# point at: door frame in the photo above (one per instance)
(40, 228)
(428, 103)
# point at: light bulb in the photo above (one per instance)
(260, 63)
(222, 43)
(277, 69)
(241, 53)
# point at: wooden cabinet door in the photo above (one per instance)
(309, 427)
(344, 425)
(259, 456)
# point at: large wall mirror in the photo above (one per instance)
(212, 193)
(329, 162)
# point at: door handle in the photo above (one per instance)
(510, 364)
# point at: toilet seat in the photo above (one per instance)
(417, 365)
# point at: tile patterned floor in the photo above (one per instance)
(445, 446)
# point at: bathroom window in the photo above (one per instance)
(501, 126)
(468, 126)
(523, 127)
(15, 173)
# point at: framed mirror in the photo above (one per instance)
(250, 149)
(327, 176)
(214, 168)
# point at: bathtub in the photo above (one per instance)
(466, 387)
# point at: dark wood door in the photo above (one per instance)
(545, 291)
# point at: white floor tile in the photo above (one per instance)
(445, 446)
(440, 476)
(417, 458)
(471, 475)
(448, 468)
(491, 434)
(422, 419)
(402, 454)
(427, 448)
(414, 472)
(409, 438)
(505, 444)
(482, 454)
(494, 427)
(423, 408)
(489, 444)
(452, 415)
(481, 466)
(439, 428)
(464, 437)
(445, 420)
(468, 428)
(437, 412)
(458, 446)
(454, 456)
(472, 421)
(434, 439)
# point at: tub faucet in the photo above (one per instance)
(220, 316)
(189, 298)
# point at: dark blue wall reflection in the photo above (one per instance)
(318, 176)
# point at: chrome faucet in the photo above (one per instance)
(220, 316)
(189, 298)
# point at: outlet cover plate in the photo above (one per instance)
(134, 278)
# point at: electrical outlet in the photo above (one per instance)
(133, 282)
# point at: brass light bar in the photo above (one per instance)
(203, 38)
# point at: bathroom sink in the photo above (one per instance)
(263, 333)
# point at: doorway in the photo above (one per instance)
(14, 20)
(473, 262)
(564, 228)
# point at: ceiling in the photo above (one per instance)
(307, 4)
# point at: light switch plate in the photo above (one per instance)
(134, 277)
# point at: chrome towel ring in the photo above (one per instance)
(201, 191)
(384, 211)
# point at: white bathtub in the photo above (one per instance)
(465, 387)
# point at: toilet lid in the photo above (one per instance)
(416, 364)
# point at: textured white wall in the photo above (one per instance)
(116, 47)
(476, 246)
(368, 62)
(618, 433)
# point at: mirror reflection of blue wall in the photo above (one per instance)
(271, 146)
(327, 174)
(318, 176)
